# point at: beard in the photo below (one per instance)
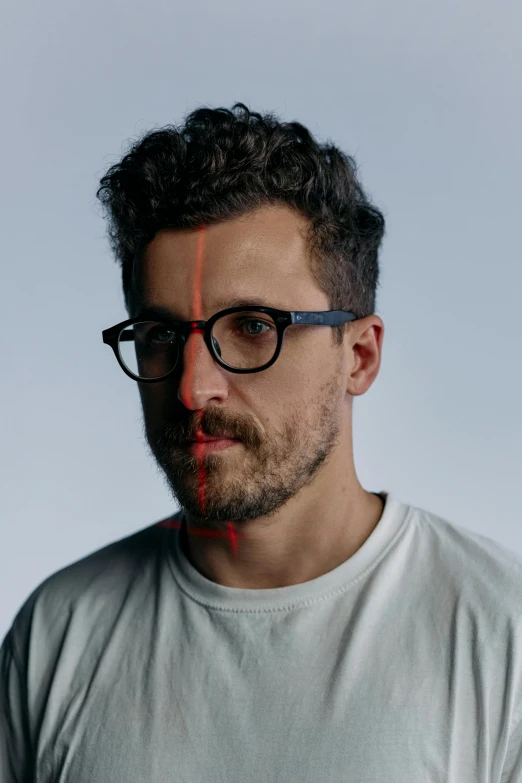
(251, 480)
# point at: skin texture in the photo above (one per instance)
(290, 488)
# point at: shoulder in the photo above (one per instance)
(84, 589)
(476, 575)
(472, 555)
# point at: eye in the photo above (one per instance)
(258, 323)
(155, 334)
(160, 330)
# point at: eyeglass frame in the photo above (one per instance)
(183, 329)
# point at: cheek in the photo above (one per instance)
(159, 401)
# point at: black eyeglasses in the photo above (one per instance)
(146, 358)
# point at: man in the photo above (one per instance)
(286, 624)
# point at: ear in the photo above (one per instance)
(364, 346)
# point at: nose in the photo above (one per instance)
(202, 379)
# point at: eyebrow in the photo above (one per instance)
(222, 304)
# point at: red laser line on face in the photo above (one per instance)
(197, 309)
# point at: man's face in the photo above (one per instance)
(289, 417)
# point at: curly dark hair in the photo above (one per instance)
(224, 163)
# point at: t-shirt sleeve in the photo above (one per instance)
(15, 748)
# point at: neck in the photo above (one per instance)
(295, 553)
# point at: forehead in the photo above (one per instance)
(263, 254)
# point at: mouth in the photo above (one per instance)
(209, 438)
(199, 447)
(203, 437)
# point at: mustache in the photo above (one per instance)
(180, 433)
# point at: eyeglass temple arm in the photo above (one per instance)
(326, 318)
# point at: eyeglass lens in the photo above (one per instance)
(242, 340)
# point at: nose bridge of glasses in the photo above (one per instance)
(198, 327)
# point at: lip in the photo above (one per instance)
(207, 446)
(206, 438)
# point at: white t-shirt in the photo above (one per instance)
(402, 665)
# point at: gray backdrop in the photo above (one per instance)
(426, 96)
